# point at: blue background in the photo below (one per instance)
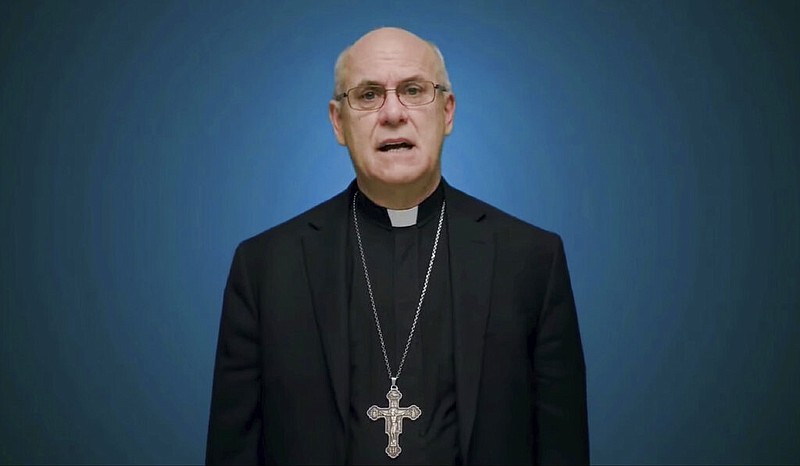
(141, 141)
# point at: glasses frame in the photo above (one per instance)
(346, 95)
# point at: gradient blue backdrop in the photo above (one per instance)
(141, 141)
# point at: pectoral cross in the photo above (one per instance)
(393, 416)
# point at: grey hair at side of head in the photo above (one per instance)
(338, 70)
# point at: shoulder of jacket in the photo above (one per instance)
(297, 225)
(502, 221)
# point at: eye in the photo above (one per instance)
(412, 89)
(368, 93)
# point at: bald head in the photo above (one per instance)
(384, 43)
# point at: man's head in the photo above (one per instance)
(396, 147)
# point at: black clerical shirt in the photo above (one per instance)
(397, 261)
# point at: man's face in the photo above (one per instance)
(390, 57)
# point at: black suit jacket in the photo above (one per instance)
(281, 381)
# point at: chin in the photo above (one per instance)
(402, 176)
(396, 169)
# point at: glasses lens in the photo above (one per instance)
(413, 94)
(366, 97)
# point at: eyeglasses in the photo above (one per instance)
(373, 96)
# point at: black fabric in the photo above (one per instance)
(281, 391)
(397, 261)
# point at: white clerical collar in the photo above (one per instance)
(403, 218)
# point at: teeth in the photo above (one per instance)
(395, 147)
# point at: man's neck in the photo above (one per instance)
(400, 197)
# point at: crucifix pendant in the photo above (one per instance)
(393, 416)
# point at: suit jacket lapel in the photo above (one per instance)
(325, 250)
(471, 260)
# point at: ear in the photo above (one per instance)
(334, 113)
(449, 112)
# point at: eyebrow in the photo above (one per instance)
(370, 82)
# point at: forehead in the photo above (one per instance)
(390, 56)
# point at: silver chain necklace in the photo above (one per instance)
(394, 414)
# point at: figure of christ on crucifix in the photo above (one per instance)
(393, 416)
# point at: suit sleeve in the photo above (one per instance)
(562, 434)
(235, 424)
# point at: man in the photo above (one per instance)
(401, 321)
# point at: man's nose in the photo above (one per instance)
(393, 112)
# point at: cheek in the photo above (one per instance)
(360, 148)
(358, 135)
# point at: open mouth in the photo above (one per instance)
(395, 146)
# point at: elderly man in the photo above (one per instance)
(401, 321)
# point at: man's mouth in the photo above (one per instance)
(395, 146)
